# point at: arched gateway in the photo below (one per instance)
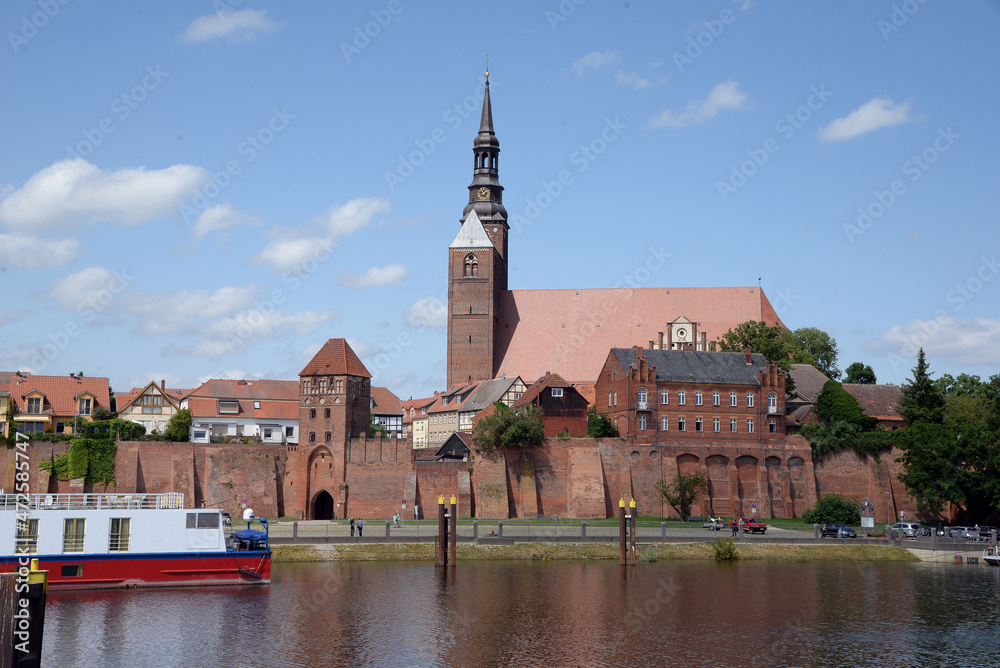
(323, 506)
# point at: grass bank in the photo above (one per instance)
(585, 551)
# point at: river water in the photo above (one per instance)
(545, 614)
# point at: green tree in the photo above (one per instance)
(833, 509)
(955, 463)
(101, 413)
(835, 404)
(821, 347)
(508, 428)
(376, 428)
(919, 400)
(179, 427)
(860, 374)
(775, 343)
(599, 426)
(681, 491)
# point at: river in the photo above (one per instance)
(551, 614)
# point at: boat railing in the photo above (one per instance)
(171, 500)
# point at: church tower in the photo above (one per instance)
(477, 263)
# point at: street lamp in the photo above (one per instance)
(888, 515)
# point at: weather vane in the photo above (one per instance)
(487, 64)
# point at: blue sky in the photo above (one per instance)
(197, 189)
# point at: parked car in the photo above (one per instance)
(714, 523)
(959, 532)
(751, 525)
(838, 531)
(986, 533)
(908, 529)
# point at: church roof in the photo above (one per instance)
(335, 358)
(573, 330)
(679, 366)
(472, 234)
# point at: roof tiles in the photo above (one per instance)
(335, 358)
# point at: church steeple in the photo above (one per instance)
(485, 191)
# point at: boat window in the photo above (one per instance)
(27, 537)
(203, 520)
(119, 535)
(72, 570)
(73, 535)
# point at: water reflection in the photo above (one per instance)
(544, 614)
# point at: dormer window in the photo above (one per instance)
(229, 407)
(84, 406)
(557, 391)
(34, 405)
(471, 266)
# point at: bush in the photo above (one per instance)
(833, 509)
(724, 549)
(509, 428)
(649, 556)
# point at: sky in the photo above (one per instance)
(194, 189)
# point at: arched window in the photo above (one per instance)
(326, 413)
(772, 402)
(697, 398)
(664, 397)
(715, 398)
(312, 414)
(329, 437)
(732, 398)
(312, 437)
(681, 397)
(471, 265)
(749, 399)
(642, 395)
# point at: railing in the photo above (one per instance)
(170, 500)
(642, 406)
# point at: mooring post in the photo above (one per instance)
(583, 528)
(453, 557)
(632, 512)
(441, 555)
(621, 532)
(475, 529)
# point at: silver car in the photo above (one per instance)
(908, 529)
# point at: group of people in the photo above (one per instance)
(359, 524)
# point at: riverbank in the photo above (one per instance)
(587, 551)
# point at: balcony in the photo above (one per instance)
(642, 406)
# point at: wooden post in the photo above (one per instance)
(632, 530)
(442, 555)
(453, 556)
(621, 532)
(22, 616)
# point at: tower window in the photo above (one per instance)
(471, 265)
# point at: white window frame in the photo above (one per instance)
(665, 423)
(642, 422)
(749, 399)
(557, 391)
(681, 397)
(732, 398)
(733, 428)
(749, 425)
(699, 424)
(697, 398)
(681, 424)
(664, 397)
(715, 398)
(716, 425)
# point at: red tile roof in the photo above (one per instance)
(417, 405)
(208, 407)
(385, 402)
(464, 390)
(60, 392)
(572, 330)
(335, 358)
(877, 401)
(278, 390)
(123, 399)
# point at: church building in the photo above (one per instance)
(495, 332)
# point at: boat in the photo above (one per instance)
(88, 541)
(991, 555)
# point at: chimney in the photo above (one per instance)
(163, 384)
(748, 354)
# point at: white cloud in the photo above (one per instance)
(11, 316)
(632, 79)
(219, 217)
(879, 112)
(26, 252)
(142, 380)
(228, 374)
(428, 312)
(595, 60)
(312, 242)
(360, 348)
(179, 312)
(726, 95)
(234, 334)
(73, 190)
(969, 343)
(242, 26)
(391, 274)
(87, 288)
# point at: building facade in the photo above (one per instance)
(661, 395)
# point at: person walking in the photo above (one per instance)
(361, 527)
(734, 527)
(352, 527)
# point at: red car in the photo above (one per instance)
(750, 525)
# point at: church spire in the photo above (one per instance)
(485, 191)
